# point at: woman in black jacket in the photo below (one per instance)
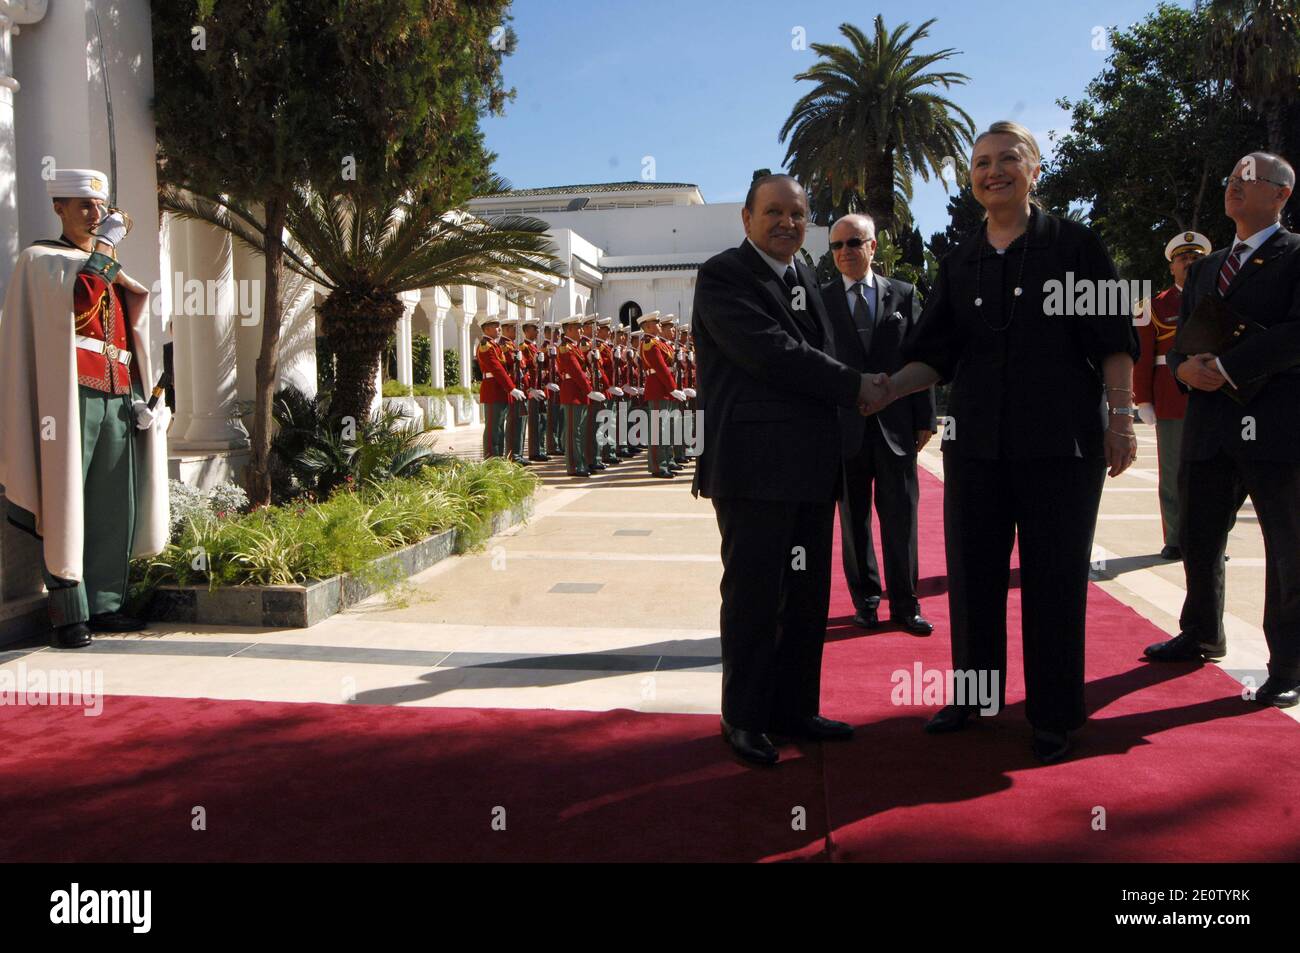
(1028, 321)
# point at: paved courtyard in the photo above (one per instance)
(607, 598)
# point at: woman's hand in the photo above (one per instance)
(1120, 444)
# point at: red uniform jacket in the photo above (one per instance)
(574, 385)
(100, 316)
(1153, 382)
(659, 379)
(497, 383)
(608, 372)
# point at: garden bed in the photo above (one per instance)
(301, 606)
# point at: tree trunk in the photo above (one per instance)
(878, 192)
(258, 478)
(358, 324)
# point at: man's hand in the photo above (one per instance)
(874, 393)
(597, 396)
(922, 438)
(1120, 444)
(112, 229)
(1198, 371)
(553, 388)
(146, 418)
(616, 391)
(1147, 414)
(517, 394)
(678, 395)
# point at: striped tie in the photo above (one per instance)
(1230, 266)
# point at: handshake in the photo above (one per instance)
(875, 393)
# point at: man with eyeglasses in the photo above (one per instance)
(1231, 450)
(871, 314)
(1161, 403)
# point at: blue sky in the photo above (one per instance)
(703, 86)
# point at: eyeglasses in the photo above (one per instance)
(851, 242)
(1238, 180)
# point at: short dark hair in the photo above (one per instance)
(763, 180)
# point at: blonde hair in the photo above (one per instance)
(1008, 127)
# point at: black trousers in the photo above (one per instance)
(1212, 492)
(1052, 505)
(893, 479)
(776, 590)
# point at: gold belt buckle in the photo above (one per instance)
(110, 351)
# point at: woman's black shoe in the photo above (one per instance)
(1050, 746)
(950, 718)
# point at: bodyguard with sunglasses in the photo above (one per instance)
(871, 316)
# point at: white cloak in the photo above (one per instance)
(40, 425)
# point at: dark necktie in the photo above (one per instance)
(862, 314)
(1231, 265)
(790, 277)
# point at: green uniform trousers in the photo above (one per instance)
(659, 436)
(1169, 447)
(108, 475)
(494, 429)
(575, 439)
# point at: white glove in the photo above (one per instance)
(112, 230)
(517, 394)
(1147, 414)
(553, 388)
(596, 396)
(536, 394)
(690, 392)
(679, 395)
(144, 417)
(616, 391)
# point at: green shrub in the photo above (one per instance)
(395, 388)
(450, 365)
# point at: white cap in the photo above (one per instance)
(605, 322)
(1186, 240)
(668, 319)
(485, 319)
(524, 322)
(572, 319)
(510, 321)
(78, 184)
(648, 316)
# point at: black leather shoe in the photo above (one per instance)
(916, 624)
(1171, 552)
(73, 636)
(580, 473)
(817, 728)
(540, 458)
(1050, 746)
(950, 718)
(1279, 692)
(116, 622)
(1183, 648)
(867, 618)
(753, 746)
(664, 476)
(597, 466)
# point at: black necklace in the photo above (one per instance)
(979, 285)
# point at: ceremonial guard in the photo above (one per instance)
(498, 387)
(596, 398)
(672, 335)
(517, 407)
(607, 436)
(575, 390)
(83, 454)
(554, 416)
(1160, 401)
(635, 376)
(661, 393)
(622, 386)
(536, 367)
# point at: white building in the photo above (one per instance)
(626, 248)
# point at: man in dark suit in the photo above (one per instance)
(770, 462)
(1231, 451)
(871, 315)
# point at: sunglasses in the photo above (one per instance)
(851, 242)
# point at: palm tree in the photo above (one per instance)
(1255, 44)
(363, 254)
(874, 119)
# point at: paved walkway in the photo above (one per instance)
(607, 598)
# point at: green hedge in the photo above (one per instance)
(302, 541)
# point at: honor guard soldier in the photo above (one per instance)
(661, 395)
(575, 390)
(536, 367)
(517, 407)
(498, 387)
(623, 384)
(635, 378)
(554, 416)
(1159, 400)
(596, 398)
(668, 329)
(83, 456)
(606, 436)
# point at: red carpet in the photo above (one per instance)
(1182, 769)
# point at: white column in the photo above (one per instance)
(214, 425)
(405, 357)
(173, 259)
(437, 305)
